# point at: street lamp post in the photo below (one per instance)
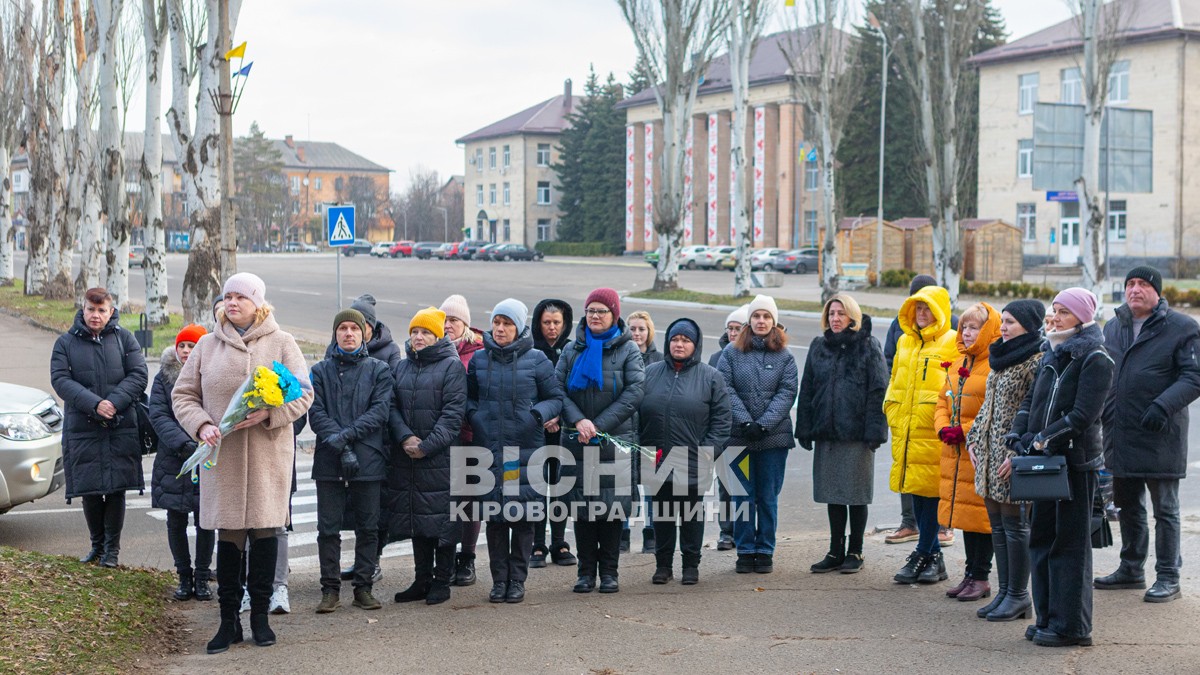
(445, 223)
(871, 18)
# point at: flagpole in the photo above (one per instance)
(228, 256)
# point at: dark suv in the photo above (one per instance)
(423, 250)
(468, 249)
(359, 246)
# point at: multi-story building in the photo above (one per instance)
(1157, 68)
(510, 187)
(319, 173)
(783, 182)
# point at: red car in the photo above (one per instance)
(401, 249)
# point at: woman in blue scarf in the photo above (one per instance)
(601, 372)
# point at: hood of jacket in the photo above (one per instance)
(511, 351)
(851, 337)
(80, 329)
(938, 300)
(989, 332)
(469, 343)
(225, 332)
(695, 357)
(536, 325)
(616, 341)
(169, 365)
(1125, 315)
(442, 349)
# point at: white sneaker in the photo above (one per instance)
(279, 601)
(245, 601)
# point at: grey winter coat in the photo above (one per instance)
(611, 409)
(1158, 369)
(685, 408)
(352, 400)
(511, 392)
(762, 387)
(174, 444)
(429, 403)
(841, 394)
(99, 456)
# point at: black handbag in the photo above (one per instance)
(147, 437)
(1040, 478)
(1102, 536)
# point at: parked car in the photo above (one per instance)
(651, 257)
(137, 256)
(445, 251)
(515, 252)
(688, 256)
(711, 258)
(798, 261)
(764, 258)
(31, 464)
(381, 249)
(359, 246)
(485, 252)
(469, 248)
(423, 250)
(401, 249)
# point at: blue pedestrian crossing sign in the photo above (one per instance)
(339, 221)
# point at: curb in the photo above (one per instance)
(802, 314)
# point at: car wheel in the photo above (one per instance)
(691, 264)
(350, 253)
(801, 268)
(508, 258)
(768, 267)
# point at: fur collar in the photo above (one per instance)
(170, 366)
(1079, 342)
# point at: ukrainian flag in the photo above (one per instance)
(512, 470)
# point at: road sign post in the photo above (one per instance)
(339, 225)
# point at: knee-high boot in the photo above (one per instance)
(114, 522)
(1017, 603)
(93, 514)
(260, 579)
(1000, 547)
(229, 597)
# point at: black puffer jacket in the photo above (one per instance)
(174, 444)
(352, 400)
(100, 456)
(511, 391)
(429, 403)
(685, 408)
(841, 393)
(1064, 404)
(381, 346)
(762, 388)
(651, 355)
(1159, 368)
(611, 409)
(721, 344)
(552, 351)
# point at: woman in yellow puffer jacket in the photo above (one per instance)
(917, 378)
(960, 399)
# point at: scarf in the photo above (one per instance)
(588, 370)
(1006, 354)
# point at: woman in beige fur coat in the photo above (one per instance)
(245, 496)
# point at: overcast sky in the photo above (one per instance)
(397, 82)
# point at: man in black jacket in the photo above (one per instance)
(1146, 426)
(352, 397)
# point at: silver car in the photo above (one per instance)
(31, 464)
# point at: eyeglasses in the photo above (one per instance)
(597, 312)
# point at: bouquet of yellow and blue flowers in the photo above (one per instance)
(266, 388)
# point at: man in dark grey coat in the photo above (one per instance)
(1146, 426)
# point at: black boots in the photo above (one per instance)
(648, 542)
(912, 569)
(201, 590)
(93, 513)
(1163, 590)
(624, 541)
(229, 595)
(934, 569)
(422, 572)
(1000, 547)
(260, 580)
(443, 572)
(114, 520)
(745, 563)
(1017, 602)
(832, 560)
(186, 586)
(464, 570)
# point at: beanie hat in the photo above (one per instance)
(1148, 274)
(852, 310)
(607, 297)
(741, 315)
(190, 333)
(1029, 313)
(352, 315)
(683, 327)
(920, 281)
(762, 302)
(1078, 301)
(456, 307)
(509, 307)
(247, 285)
(431, 319)
(365, 305)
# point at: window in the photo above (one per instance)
(492, 193)
(317, 208)
(507, 194)
(319, 183)
(491, 158)
(295, 185)
(1071, 87)
(812, 175)
(1027, 220)
(1116, 219)
(295, 207)
(479, 160)
(338, 184)
(479, 195)
(507, 158)
(1027, 93)
(543, 232)
(810, 227)
(507, 230)
(1118, 82)
(543, 155)
(1025, 158)
(543, 192)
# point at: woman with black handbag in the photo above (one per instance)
(1061, 417)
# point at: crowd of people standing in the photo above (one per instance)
(960, 399)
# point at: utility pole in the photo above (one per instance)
(445, 223)
(882, 131)
(228, 254)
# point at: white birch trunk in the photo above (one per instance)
(48, 161)
(154, 34)
(83, 198)
(112, 155)
(928, 138)
(6, 227)
(1087, 186)
(743, 32)
(949, 262)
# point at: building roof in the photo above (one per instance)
(547, 117)
(910, 223)
(320, 155)
(1143, 20)
(769, 65)
(977, 223)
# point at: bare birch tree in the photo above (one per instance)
(154, 35)
(14, 26)
(746, 21)
(818, 57)
(83, 192)
(47, 154)
(112, 152)
(676, 40)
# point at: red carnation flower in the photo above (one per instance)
(946, 365)
(964, 372)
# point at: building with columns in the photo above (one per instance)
(784, 186)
